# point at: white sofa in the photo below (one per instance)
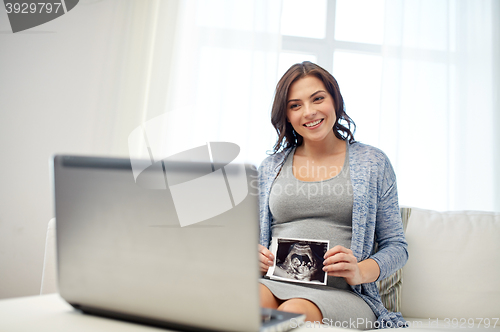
(452, 277)
(451, 280)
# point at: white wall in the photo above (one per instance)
(73, 85)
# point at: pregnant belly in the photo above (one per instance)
(314, 230)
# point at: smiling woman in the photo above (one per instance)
(291, 96)
(314, 133)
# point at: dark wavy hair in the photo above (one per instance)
(287, 137)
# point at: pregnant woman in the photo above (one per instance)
(320, 184)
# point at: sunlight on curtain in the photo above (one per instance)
(429, 99)
(304, 19)
(358, 72)
(437, 111)
(224, 74)
(360, 21)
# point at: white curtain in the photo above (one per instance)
(222, 78)
(439, 107)
(434, 91)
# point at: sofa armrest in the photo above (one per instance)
(49, 274)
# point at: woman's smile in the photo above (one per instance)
(313, 124)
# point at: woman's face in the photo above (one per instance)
(310, 109)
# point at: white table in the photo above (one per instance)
(52, 314)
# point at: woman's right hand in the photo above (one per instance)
(266, 259)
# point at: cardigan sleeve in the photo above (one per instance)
(392, 251)
(263, 219)
(265, 178)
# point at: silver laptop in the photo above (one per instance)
(171, 243)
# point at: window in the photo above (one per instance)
(333, 34)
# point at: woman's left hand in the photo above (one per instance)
(340, 262)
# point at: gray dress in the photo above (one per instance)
(319, 210)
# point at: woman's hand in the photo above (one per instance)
(266, 259)
(340, 262)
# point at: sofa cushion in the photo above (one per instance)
(453, 270)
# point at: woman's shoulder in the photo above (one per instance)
(366, 153)
(274, 159)
(367, 158)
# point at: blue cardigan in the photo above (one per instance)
(375, 218)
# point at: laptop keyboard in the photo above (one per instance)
(278, 321)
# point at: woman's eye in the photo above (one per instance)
(318, 98)
(294, 106)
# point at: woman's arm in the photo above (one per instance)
(369, 271)
(392, 251)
